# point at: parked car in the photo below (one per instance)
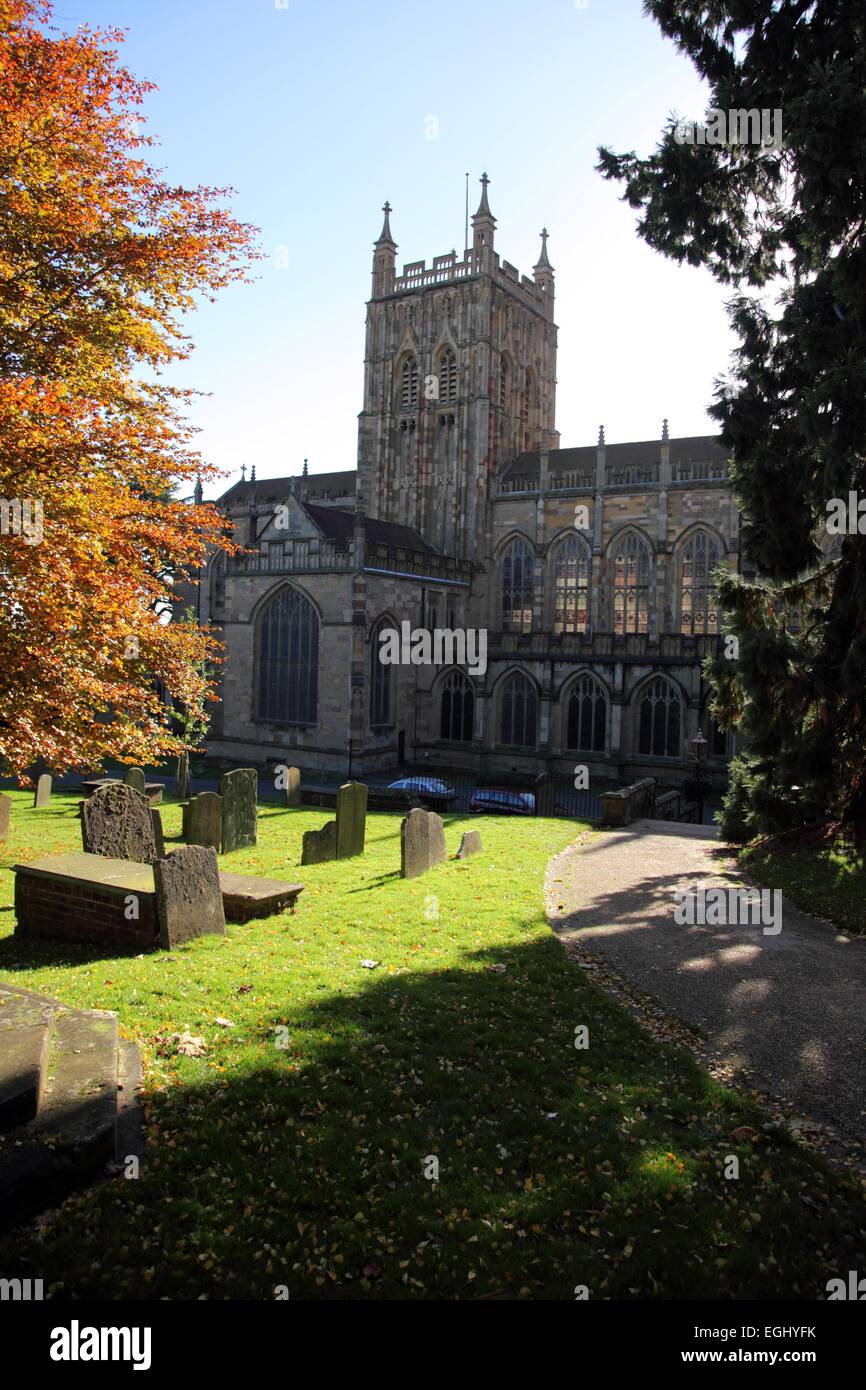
(502, 801)
(429, 791)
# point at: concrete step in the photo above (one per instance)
(72, 1135)
(130, 1117)
(23, 1055)
(79, 1103)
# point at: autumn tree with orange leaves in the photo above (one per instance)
(99, 261)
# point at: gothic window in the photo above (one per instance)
(660, 720)
(518, 712)
(571, 586)
(526, 395)
(587, 717)
(504, 383)
(218, 582)
(409, 384)
(631, 571)
(518, 587)
(448, 378)
(381, 680)
(457, 708)
(700, 610)
(288, 659)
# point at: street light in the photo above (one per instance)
(699, 747)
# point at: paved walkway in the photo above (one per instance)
(786, 1010)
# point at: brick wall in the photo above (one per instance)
(74, 910)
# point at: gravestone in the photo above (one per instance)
(189, 901)
(135, 777)
(203, 820)
(319, 846)
(351, 819)
(422, 842)
(545, 795)
(238, 792)
(116, 823)
(470, 844)
(293, 786)
(43, 790)
(5, 812)
(158, 837)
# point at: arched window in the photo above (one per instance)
(218, 582)
(381, 680)
(527, 395)
(288, 659)
(504, 383)
(631, 571)
(660, 720)
(457, 708)
(448, 378)
(700, 609)
(518, 587)
(571, 586)
(409, 384)
(587, 716)
(518, 712)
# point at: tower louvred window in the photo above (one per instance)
(448, 378)
(409, 384)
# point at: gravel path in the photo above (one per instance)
(786, 1011)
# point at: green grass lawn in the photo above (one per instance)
(305, 1166)
(823, 872)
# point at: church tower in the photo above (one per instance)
(459, 376)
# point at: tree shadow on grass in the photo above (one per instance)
(304, 1164)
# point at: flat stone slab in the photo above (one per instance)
(245, 897)
(122, 874)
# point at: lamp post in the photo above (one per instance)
(699, 747)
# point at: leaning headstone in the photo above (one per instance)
(203, 820)
(189, 901)
(135, 778)
(351, 819)
(158, 837)
(238, 791)
(5, 812)
(116, 823)
(436, 832)
(319, 846)
(422, 842)
(43, 790)
(293, 786)
(470, 844)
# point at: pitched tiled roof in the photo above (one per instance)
(338, 525)
(271, 491)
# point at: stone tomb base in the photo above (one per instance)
(245, 897)
(86, 897)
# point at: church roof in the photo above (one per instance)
(276, 490)
(582, 459)
(337, 524)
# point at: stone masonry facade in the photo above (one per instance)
(589, 569)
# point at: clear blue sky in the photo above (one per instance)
(318, 111)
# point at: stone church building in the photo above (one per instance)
(589, 568)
